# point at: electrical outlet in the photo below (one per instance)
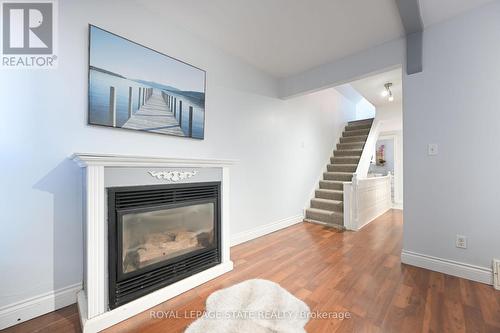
(432, 149)
(496, 274)
(461, 242)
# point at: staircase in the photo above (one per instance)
(328, 203)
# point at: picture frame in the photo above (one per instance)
(134, 87)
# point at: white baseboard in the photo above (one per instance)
(259, 231)
(19, 312)
(450, 267)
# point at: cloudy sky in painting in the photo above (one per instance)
(120, 56)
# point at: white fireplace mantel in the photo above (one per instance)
(93, 299)
(86, 159)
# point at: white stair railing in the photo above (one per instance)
(366, 198)
(368, 150)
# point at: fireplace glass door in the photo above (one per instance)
(160, 234)
(165, 233)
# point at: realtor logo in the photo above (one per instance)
(28, 30)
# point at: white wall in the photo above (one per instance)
(364, 110)
(281, 145)
(391, 117)
(455, 103)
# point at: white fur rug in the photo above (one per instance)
(252, 306)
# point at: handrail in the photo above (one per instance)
(368, 150)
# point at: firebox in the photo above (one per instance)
(160, 234)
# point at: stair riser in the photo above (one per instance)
(350, 139)
(325, 218)
(334, 207)
(341, 168)
(337, 177)
(329, 195)
(344, 160)
(331, 186)
(356, 132)
(347, 146)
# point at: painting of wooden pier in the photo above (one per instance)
(136, 88)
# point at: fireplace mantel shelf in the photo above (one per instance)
(90, 159)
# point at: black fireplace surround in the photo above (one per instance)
(160, 234)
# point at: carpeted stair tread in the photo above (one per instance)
(350, 146)
(324, 215)
(327, 201)
(340, 160)
(356, 138)
(362, 121)
(324, 193)
(331, 185)
(327, 204)
(356, 132)
(341, 176)
(337, 167)
(348, 153)
(358, 127)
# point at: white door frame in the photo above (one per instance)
(397, 137)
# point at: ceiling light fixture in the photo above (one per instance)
(388, 92)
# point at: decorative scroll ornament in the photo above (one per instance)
(173, 176)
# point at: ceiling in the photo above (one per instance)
(435, 11)
(285, 37)
(371, 88)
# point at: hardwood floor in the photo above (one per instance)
(360, 273)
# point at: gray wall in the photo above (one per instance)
(281, 145)
(455, 102)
